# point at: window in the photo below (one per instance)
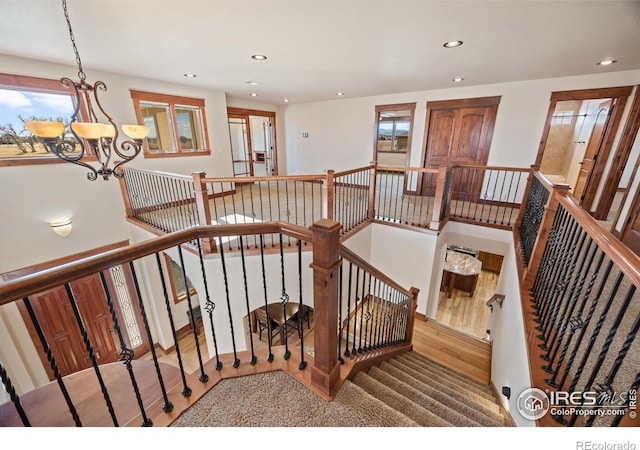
(394, 125)
(177, 125)
(176, 280)
(24, 98)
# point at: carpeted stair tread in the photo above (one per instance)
(456, 392)
(413, 411)
(452, 372)
(275, 399)
(449, 414)
(475, 411)
(444, 378)
(449, 374)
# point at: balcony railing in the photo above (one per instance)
(393, 195)
(583, 313)
(131, 389)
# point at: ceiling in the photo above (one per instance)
(317, 48)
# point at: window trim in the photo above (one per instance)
(176, 298)
(394, 107)
(45, 85)
(172, 101)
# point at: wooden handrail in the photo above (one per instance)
(497, 298)
(474, 166)
(406, 169)
(159, 173)
(351, 256)
(627, 261)
(350, 171)
(47, 279)
(270, 178)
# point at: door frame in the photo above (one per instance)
(620, 159)
(439, 105)
(245, 113)
(619, 96)
(143, 348)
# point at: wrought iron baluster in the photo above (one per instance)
(54, 368)
(568, 300)
(203, 376)
(253, 359)
(92, 356)
(340, 283)
(607, 343)
(349, 291)
(186, 390)
(302, 309)
(126, 353)
(354, 350)
(575, 322)
(15, 398)
(284, 299)
(596, 331)
(264, 290)
(236, 361)
(560, 283)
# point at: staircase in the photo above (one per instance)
(430, 394)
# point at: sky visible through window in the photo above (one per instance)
(14, 103)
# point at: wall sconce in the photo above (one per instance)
(62, 228)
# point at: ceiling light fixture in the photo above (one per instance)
(286, 100)
(452, 44)
(102, 138)
(457, 80)
(253, 94)
(339, 94)
(190, 75)
(607, 62)
(252, 83)
(258, 57)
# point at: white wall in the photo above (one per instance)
(33, 196)
(341, 132)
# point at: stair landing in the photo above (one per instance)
(459, 351)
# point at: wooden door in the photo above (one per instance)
(459, 132)
(593, 149)
(57, 319)
(631, 233)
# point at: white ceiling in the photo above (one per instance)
(317, 48)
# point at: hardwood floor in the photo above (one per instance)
(468, 314)
(444, 344)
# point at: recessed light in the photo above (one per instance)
(452, 44)
(190, 75)
(339, 94)
(286, 100)
(252, 83)
(457, 80)
(607, 62)
(253, 94)
(258, 57)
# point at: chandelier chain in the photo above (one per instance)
(81, 73)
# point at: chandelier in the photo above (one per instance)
(98, 137)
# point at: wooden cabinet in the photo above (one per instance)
(451, 281)
(491, 262)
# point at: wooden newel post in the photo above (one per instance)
(125, 197)
(371, 209)
(412, 313)
(204, 210)
(327, 195)
(550, 210)
(525, 197)
(440, 197)
(325, 372)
